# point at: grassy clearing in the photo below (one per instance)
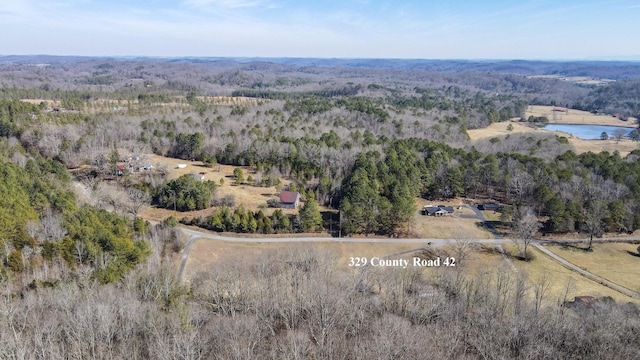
(560, 277)
(578, 117)
(500, 129)
(206, 253)
(617, 262)
(624, 146)
(230, 100)
(249, 196)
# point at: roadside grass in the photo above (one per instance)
(447, 227)
(205, 253)
(616, 262)
(561, 277)
(481, 260)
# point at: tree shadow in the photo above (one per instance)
(567, 245)
(331, 222)
(489, 249)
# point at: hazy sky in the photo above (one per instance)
(499, 29)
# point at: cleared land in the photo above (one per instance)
(447, 227)
(480, 261)
(577, 117)
(582, 80)
(616, 262)
(205, 252)
(249, 196)
(624, 146)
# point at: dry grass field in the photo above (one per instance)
(617, 262)
(559, 277)
(249, 196)
(624, 146)
(577, 117)
(206, 253)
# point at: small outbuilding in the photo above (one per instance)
(289, 199)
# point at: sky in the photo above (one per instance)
(456, 29)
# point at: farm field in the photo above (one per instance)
(577, 117)
(623, 146)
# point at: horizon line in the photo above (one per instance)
(129, 57)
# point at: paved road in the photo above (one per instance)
(496, 235)
(194, 234)
(497, 241)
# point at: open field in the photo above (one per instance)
(542, 266)
(230, 100)
(561, 276)
(482, 262)
(582, 80)
(205, 253)
(624, 146)
(617, 262)
(577, 117)
(249, 196)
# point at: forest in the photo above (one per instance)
(85, 276)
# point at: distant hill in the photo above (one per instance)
(615, 70)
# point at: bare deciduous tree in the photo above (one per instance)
(137, 199)
(526, 226)
(592, 216)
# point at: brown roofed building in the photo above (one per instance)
(289, 199)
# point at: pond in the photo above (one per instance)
(588, 132)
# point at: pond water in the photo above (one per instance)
(588, 132)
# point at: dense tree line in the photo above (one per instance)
(241, 220)
(42, 223)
